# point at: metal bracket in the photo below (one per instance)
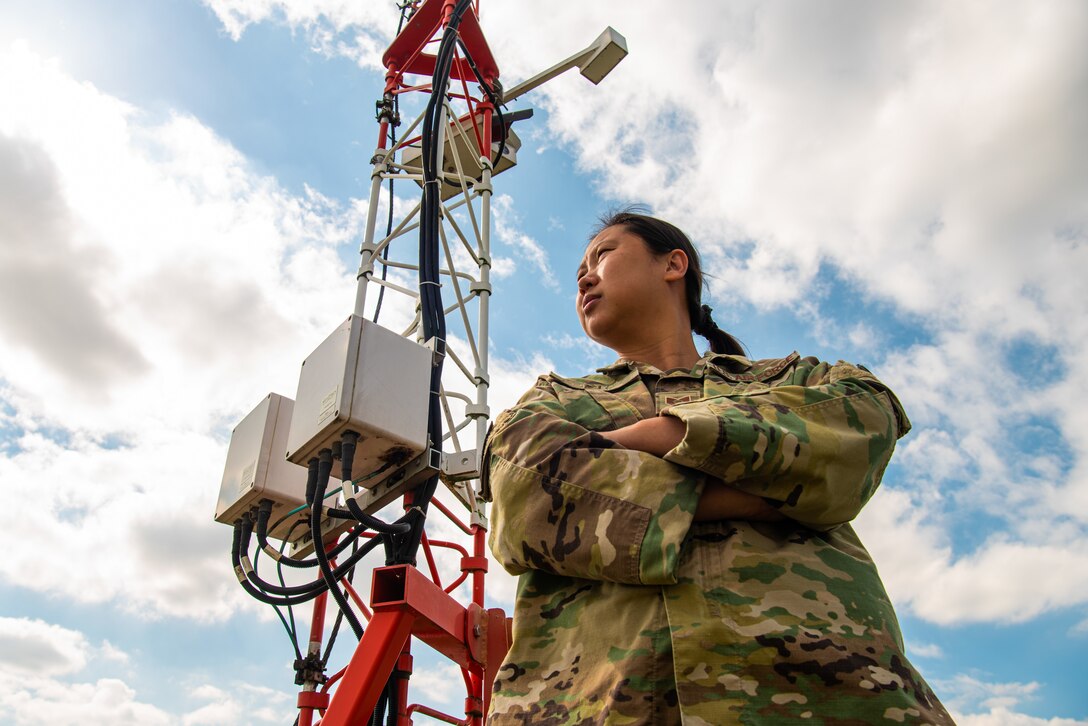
(409, 477)
(460, 465)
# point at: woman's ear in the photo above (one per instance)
(676, 265)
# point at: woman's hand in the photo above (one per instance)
(662, 434)
(721, 501)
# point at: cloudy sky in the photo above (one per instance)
(182, 192)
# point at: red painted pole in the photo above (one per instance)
(402, 673)
(306, 704)
(479, 542)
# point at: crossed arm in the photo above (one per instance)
(617, 505)
(662, 434)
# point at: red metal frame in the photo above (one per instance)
(406, 603)
(406, 56)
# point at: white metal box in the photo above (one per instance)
(367, 379)
(256, 468)
(467, 153)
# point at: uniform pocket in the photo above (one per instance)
(708, 542)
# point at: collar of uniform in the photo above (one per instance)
(726, 364)
(739, 368)
(623, 366)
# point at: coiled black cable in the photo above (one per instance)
(264, 514)
(311, 589)
(250, 589)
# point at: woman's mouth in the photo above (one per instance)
(589, 301)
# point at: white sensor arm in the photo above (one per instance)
(595, 62)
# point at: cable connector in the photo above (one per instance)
(309, 670)
(385, 110)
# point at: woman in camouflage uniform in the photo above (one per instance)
(680, 523)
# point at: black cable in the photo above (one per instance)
(262, 539)
(316, 587)
(491, 96)
(279, 572)
(394, 686)
(393, 143)
(339, 619)
(432, 317)
(388, 227)
(243, 529)
(378, 715)
(248, 586)
(312, 588)
(290, 628)
(324, 471)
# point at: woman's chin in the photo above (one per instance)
(601, 336)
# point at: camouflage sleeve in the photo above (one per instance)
(569, 501)
(815, 446)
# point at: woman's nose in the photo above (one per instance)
(586, 281)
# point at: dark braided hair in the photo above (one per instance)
(662, 238)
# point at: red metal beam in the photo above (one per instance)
(406, 603)
(404, 53)
(369, 669)
(439, 620)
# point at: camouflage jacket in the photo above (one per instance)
(628, 613)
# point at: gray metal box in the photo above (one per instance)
(467, 153)
(367, 379)
(256, 468)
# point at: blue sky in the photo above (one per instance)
(182, 191)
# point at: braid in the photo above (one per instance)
(720, 341)
(704, 322)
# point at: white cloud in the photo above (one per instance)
(226, 711)
(594, 354)
(36, 660)
(45, 306)
(42, 680)
(925, 650)
(325, 22)
(512, 378)
(507, 229)
(441, 683)
(237, 703)
(36, 647)
(109, 652)
(978, 702)
(1002, 581)
(31, 700)
(1004, 717)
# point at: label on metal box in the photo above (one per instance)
(328, 406)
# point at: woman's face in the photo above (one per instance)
(622, 288)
